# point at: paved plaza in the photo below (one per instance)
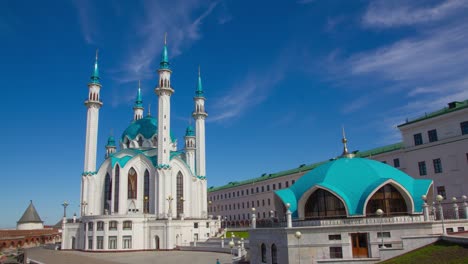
(77, 257)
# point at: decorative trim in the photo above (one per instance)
(89, 173)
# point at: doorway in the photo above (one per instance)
(156, 242)
(360, 245)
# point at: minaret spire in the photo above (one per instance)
(345, 146)
(138, 107)
(199, 91)
(93, 103)
(164, 92)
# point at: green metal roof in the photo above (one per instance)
(264, 177)
(452, 107)
(305, 168)
(379, 150)
(147, 127)
(353, 179)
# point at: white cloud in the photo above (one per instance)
(384, 13)
(86, 15)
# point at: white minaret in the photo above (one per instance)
(138, 107)
(190, 148)
(199, 115)
(164, 92)
(93, 103)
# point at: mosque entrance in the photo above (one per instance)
(360, 245)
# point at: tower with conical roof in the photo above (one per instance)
(190, 147)
(30, 219)
(138, 107)
(110, 146)
(199, 115)
(93, 103)
(164, 92)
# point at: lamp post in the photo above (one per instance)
(146, 205)
(380, 213)
(254, 218)
(465, 206)
(231, 245)
(439, 199)
(298, 235)
(456, 214)
(65, 204)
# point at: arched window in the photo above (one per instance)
(140, 141)
(155, 141)
(322, 204)
(146, 192)
(132, 184)
(127, 142)
(107, 192)
(274, 254)
(264, 255)
(180, 194)
(116, 188)
(389, 199)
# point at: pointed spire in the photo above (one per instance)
(345, 146)
(199, 91)
(139, 100)
(95, 76)
(164, 64)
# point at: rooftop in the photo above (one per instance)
(304, 168)
(451, 107)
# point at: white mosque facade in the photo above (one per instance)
(148, 195)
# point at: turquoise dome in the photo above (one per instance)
(354, 180)
(189, 132)
(110, 142)
(147, 127)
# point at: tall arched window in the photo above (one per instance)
(322, 204)
(146, 192)
(132, 184)
(180, 194)
(264, 255)
(274, 254)
(107, 192)
(140, 141)
(389, 199)
(116, 188)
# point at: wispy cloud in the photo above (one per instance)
(182, 20)
(384, 13)
(256, 87)
(86, 15)
(357, 104)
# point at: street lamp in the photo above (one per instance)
(83, 207)
(231, 245)
(146, 204)
(298, 235)
(65, 204)
(169, 211)
(380, 213)
(439, 199)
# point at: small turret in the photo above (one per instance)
(190, 147)
(110, 147)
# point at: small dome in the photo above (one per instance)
(110, 142)
(189, 132)
(354, 179)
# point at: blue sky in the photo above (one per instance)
(280, 77)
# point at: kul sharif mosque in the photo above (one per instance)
(147, 195)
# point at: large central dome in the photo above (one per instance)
(147, 127)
